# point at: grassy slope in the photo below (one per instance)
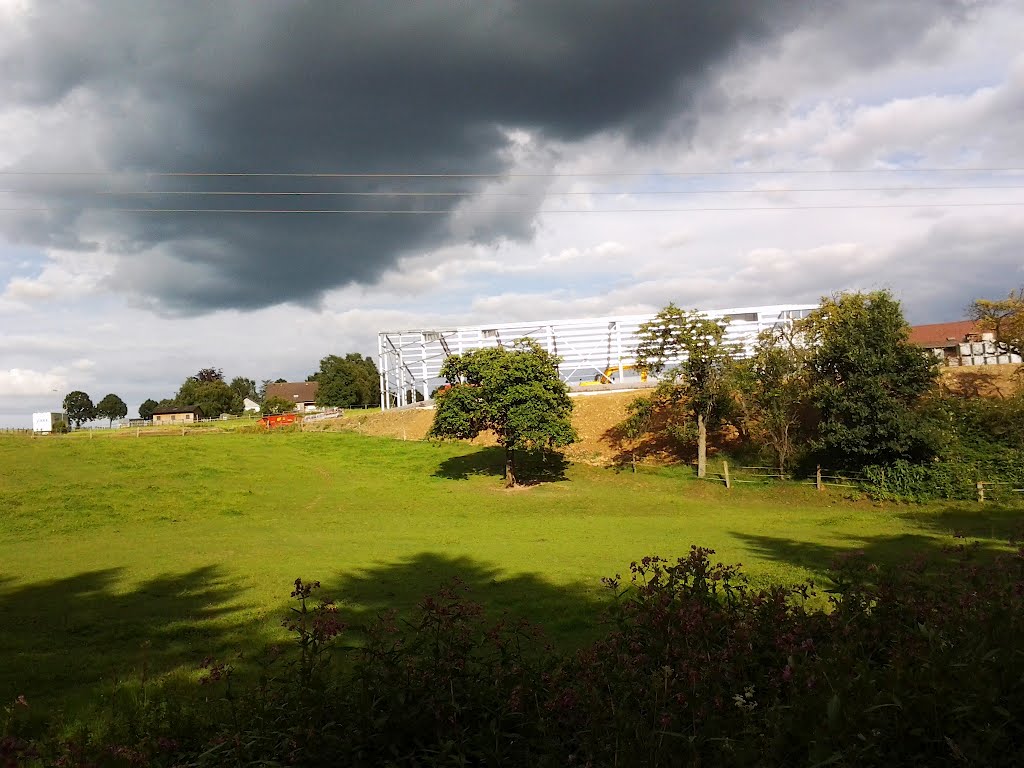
(118, 554)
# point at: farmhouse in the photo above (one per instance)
(961, 343)
(301, 393)
(176, 415)
(250, 406)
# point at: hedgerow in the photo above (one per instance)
(918, 665)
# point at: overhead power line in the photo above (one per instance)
(492, 193)
(445, 212)
(509, 175)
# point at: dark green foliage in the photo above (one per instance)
(79, 408)
(982, 440)
(111, 407)
(915, 665)
(208, 392)
(515, 393)
(347, 381)
(771, 391)
(147, 408)
(277, 405)
(207, 375)
(243, 387)
(867, 381)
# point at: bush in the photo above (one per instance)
(918, 665)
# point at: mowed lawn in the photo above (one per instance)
(124, 556)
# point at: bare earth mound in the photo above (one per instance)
(593, 416)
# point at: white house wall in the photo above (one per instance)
(411, 360)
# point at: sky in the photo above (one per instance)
(253, 185)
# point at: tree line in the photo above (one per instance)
(344, 382)
(844, 388)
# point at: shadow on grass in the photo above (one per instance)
(60, 640)
(67, 643)
(882, 550)
(569, 614)
(532, 467)
(993, 522)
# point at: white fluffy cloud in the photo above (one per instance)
(20, 382)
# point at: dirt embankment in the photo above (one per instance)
(595, 415)
(983, 380)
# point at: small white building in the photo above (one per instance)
(45, 421)
(249, 405)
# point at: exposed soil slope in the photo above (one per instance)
(595, 415)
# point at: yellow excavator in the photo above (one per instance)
(606, 377)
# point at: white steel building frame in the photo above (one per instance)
(591, 349)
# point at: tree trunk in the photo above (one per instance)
(510, 467)
(632, 457)
(702, 446)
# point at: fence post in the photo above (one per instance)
(981, 491)
(182, 431)
(725, 470)
(138, 432)
(817, 479)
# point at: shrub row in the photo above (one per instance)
(948, 479)
(915, 666)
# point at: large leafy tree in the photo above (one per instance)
(772, 391)
(347, 381)
(1005, 318)
(689, 350)
(867, 380)
(208, 392)
(146, 409)
(515, 393)
(111, 407)
(79, 408)
(243, 387)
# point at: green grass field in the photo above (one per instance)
(119, 555)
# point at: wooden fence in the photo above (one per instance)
(822, 477)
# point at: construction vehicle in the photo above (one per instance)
(606, 377)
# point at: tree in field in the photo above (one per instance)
(347, 381)
(867, 380)
(277, 405)
(111, 407)
(208, 392)
(79, 408)
(772, 391)
(147, 408)
(515, 393)
(1005, 318)
(243, 387)
(690, 350)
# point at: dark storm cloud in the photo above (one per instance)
(359, 86)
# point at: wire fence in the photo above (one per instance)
(762, 475)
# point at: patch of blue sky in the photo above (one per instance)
(20, 261)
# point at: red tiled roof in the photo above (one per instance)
(294, 391)
(942, 334)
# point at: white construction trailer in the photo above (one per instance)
(593, 350)
(45, 421)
